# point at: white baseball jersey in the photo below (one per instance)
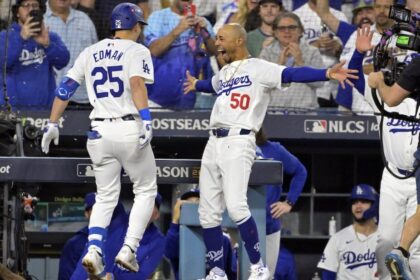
(312, 22)
(400, 138)
(243, 92)
(107, 67)
(313, 30)
(351, 255)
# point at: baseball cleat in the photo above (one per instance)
(259, 272)
(126, 259)
(398, 266)
(214, 274)
(94, 265)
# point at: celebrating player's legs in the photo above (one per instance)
(120, 131)
(243, 89)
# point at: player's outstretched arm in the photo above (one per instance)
(309, 74)
(192, 84)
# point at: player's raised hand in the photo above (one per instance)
(364, 39)
(189, 84)
(147, 136)
(341, 74)
(50, 133)
(279, 208)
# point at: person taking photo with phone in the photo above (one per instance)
(32, 55)
(179, 40)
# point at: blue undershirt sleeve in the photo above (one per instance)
(328, 275)
(303, 75)
(204, 86)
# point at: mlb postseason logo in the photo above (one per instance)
(85, 170)
(316, 126)
(118, 23)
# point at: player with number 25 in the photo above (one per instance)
(116, 71)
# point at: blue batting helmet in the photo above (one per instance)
(125, 16)
(363, 191)
(367, 192)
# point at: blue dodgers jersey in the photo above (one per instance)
(291, 166)
(185, 53)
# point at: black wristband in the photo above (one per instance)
(289, 202)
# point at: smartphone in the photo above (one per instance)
(189, 10)
(37, 17)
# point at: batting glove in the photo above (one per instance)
(50, 133)
(147, 136)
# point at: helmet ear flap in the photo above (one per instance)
(373, 211)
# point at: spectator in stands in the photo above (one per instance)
(33, 53)
(149, 254)
(172, 237)
(86, 7)
(290, 49)
(363, 14)
(263, 35)
(78, 32)
(178, 42)
(382, 22)
(225, 9)
(318, 35)
(248, 14)
(275, 208)
(102, 13)
(350, 253)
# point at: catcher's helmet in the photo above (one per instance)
(125, 16)
(363, 191)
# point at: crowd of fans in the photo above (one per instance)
(291, 33)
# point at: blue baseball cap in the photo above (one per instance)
(90, 200)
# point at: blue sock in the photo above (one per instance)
(249, 235)
(213, 239)
(97, 236)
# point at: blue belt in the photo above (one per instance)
(224, 132)
(124, 118)
(405, 172)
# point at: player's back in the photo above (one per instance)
(107, 67)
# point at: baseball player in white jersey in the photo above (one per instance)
(115, 71)
(243, 87)
(400, 140)
(350, 253)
